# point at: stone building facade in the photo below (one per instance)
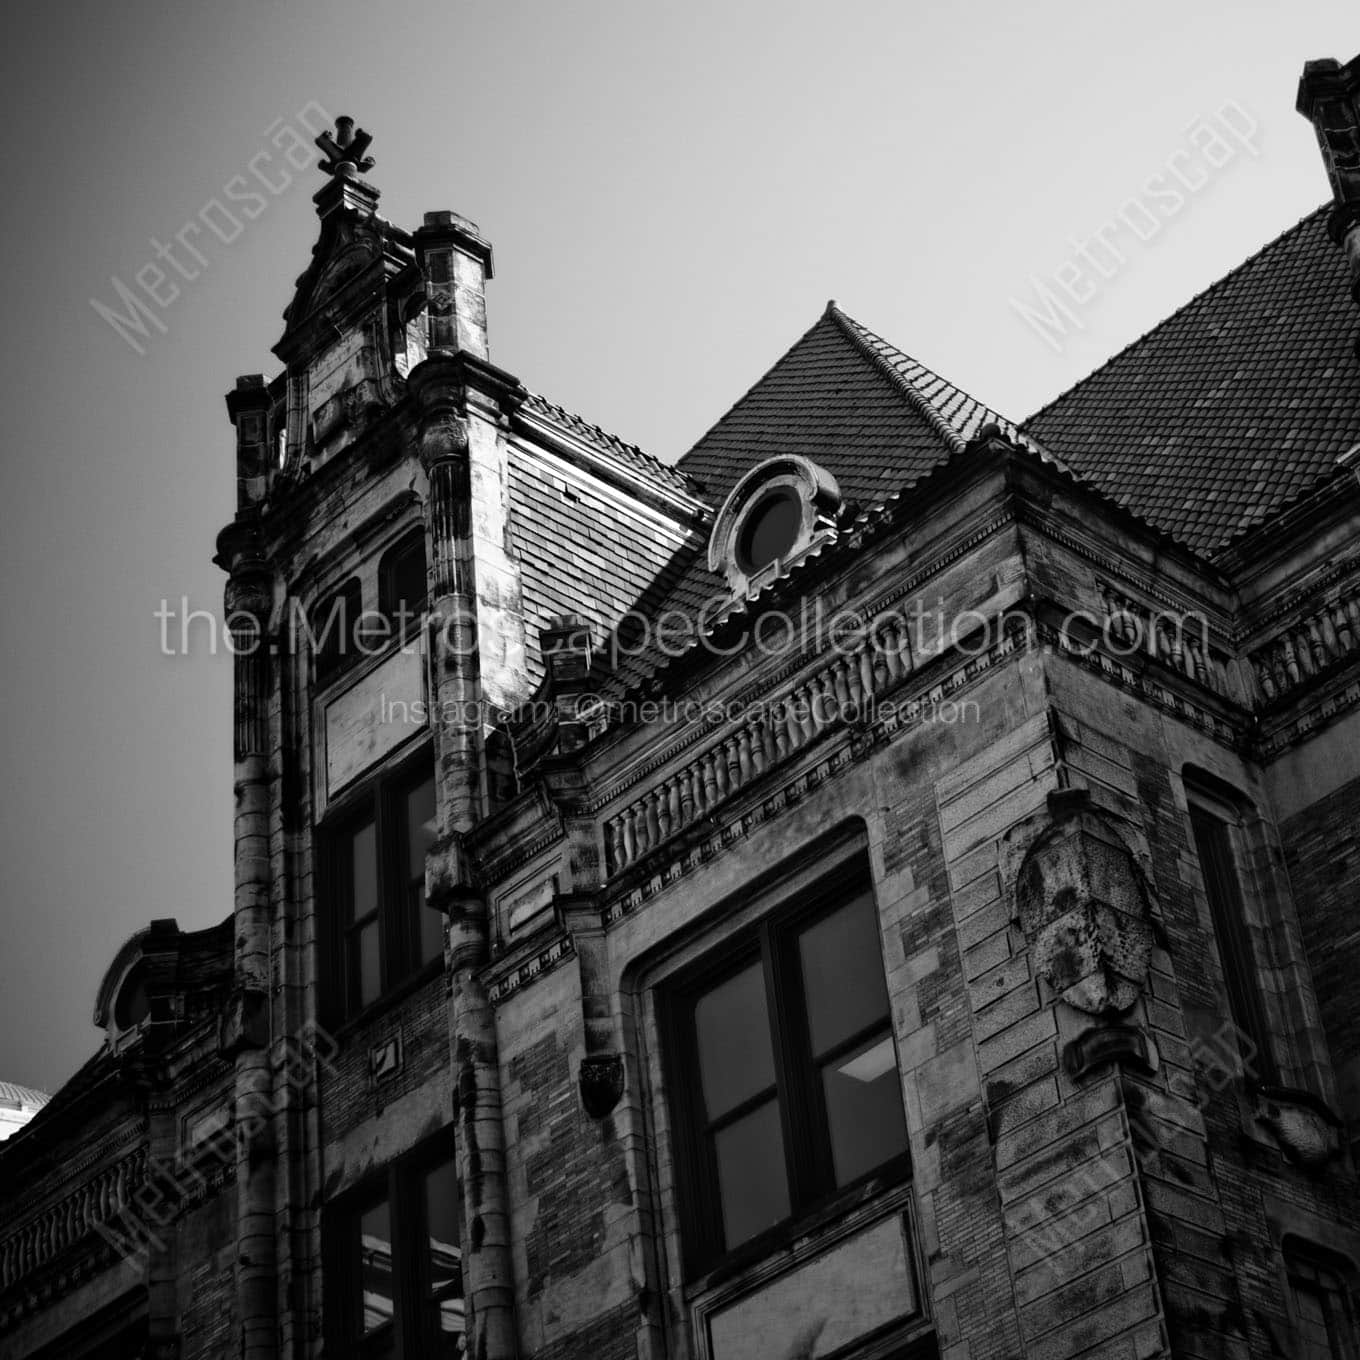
(883, 887)
(18, 1104)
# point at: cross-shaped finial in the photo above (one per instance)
(346, 148)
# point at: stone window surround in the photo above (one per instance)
(399, 1182)
(1287, 1220)
(368, 568)
(1282, 976)
(379, 786)
(643, 983)
(821, 502)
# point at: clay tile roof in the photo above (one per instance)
(872, 416)
(1231, 408)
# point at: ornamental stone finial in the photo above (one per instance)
(345, 150)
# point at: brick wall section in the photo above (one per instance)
(1322, 847)
(938, 929)
(1060, 1157)
(1218, 1193)
(207, 1289)
(573, 1168)
(573, 1204)
(608, 1337)
(1200, 1289)
(349, 1094)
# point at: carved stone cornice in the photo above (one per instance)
(523, 965)
(1323, 708)
(1226, 721)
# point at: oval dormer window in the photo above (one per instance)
(770, 530)
(133, 1005)
(775, 514)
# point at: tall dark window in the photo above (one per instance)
(402, 586)
(394, 1280)
(784, 1082)
(374, 851)
(1324, 1316)
(335, 631)
(1214, 831)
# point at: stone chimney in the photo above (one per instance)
(565, 644)
(248, 406)
(455, 263)
(1329, 97)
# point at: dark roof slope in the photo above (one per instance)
(842, 396)
(584, 550)
(632, 457)
(1231, 408)
(871, 416)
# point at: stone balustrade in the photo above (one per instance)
(63, 1224)
(1308, 645)
(1179, 640)
(773, 731)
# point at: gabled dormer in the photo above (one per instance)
(351, 329)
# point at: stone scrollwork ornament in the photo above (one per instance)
(1083, 907)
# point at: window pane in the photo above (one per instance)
(445, 1268)
(1218, 864)
(332, 629)
(864, 1109)
(751, 1181)
(404, 583)
(843, 982)
(770, 530)
(419, 827)
(441, 1218)
(431, 929)
(733, 1033)
(363, 868)
(365, 977)
(418, 811)
(375, 1255)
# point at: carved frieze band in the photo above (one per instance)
(542, 962)
(802, 656)
(66, 1222)
(879, 727)
(835, 693)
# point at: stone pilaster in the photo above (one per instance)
(245, 1026)
(457, 701)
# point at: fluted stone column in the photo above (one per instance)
(488, 1280)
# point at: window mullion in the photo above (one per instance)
(783, 1001)
(404, 1240)
(389, 934)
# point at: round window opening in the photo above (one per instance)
(771, 529)
(133, 1005)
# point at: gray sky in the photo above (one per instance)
(673, 194)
